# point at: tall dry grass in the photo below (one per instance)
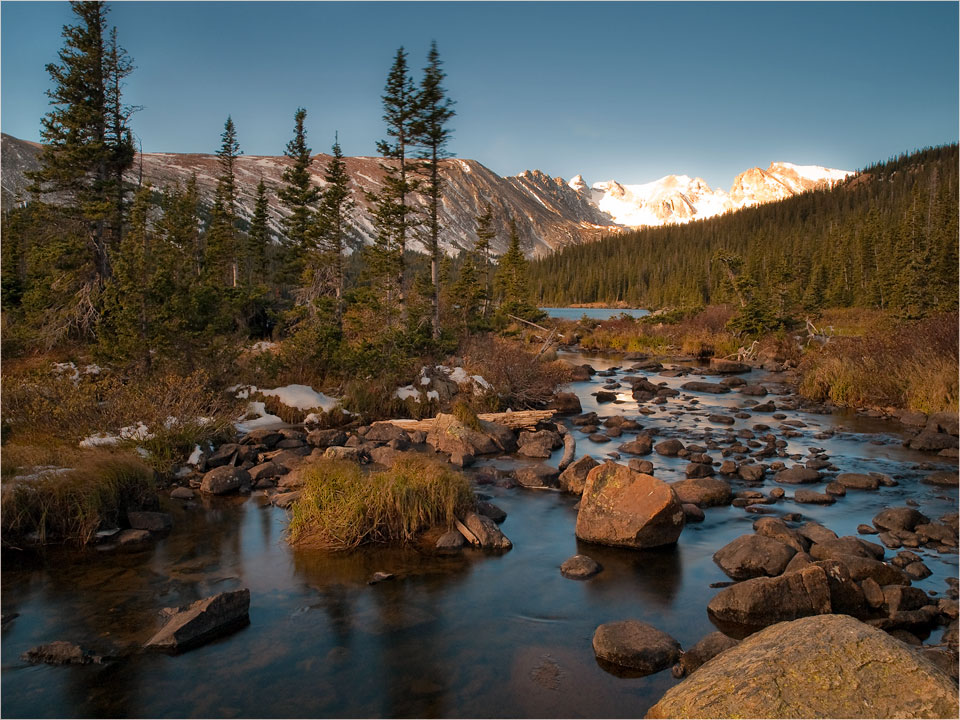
(911, 365)
(521, 379)
(341, 507)
(72, 506)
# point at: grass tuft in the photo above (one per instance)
(72, 506)
(340, 507)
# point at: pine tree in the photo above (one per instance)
(85, 135)
(298, 194)
(511, 282)
(258, 239)
(485, 234)
(119, 137)
(393, 215)
(434, 110)
(467, 294)
(334, 218)
(222, 253)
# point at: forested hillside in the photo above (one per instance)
(886, 238)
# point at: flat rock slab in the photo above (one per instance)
(202, 621)
(635, 645)
(827, 666)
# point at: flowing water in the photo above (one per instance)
(475, 635)
(572, 313)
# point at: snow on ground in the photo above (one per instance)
(263, 418)
(99, 440)
(104, 439)
(302, 397)
(409, 391)
(195, 456)
(433, 395)
(262, 347)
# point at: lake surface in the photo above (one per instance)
(566, 313)
(475, 635)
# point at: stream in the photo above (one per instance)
(471, 635)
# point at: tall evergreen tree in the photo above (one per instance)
(334, 218)
(258, 238)
(393, 214)
(298, 194)
(485, 234)
(222, 253)
(118, 65)
(434, 111)
(511, 282)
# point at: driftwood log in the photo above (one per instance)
(520, 420)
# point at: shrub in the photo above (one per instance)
(341, 508)
(72, 506)
(521, 378)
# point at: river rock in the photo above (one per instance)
(326, 438)
(669, 448)
(579, 567)
(703, 491)
(385, 432)
(826, 666)
(133, 537)
(722, 366)
(811, 497)
(224, 479)
(268, 469)
(536, 476)
(538, 444)
(797, 475)
(816, 533)
(60, 653)
(628, 509)
(635, 645)
(350, 454)
(754, 391)
(155, 522)
(641, 446)
(574, 477)
(182, 493)
(706, 387)
(777, 529)
(262, 436)
(698, 470)
(605, 396)
(945, 422)
(202, 621)
(928, 440)
(640, 466)
(750, 556)
(451, 436)
(285, 499)
(450, 542)
(942, 478)
(485, 532)
(751, 473)
(846, 545)
(749, 605)
(566, 403)
(704, 651)
(858, 481)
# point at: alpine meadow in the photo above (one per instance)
(425, 423)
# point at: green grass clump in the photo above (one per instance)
(466, 415)
(71, 506)
(340, 507)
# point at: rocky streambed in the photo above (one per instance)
(419, 632)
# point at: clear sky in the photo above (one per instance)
(624, 90)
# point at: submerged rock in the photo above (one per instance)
(60, 653)
(635, 645)
(827, 666)
(202, 621)
(579, 567)
(625, 508)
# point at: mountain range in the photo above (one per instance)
(551, 213)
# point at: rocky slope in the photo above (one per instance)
(550, 212)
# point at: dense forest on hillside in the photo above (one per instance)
(885, 238)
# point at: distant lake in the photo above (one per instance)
(569, 313)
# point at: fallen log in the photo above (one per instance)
(520, 420)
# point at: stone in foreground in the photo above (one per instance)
(825, 666)
(203, 621)
(628, 509)
(635, 645)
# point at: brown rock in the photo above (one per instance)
(574, 477)
(628, 509)
(579, 567)
(750, 556)
(202, 621)
(224, 479)
(703, 491)
(858, 481)
(635, 645)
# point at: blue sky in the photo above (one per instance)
(623, 90)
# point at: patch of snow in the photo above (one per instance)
(142, 452)
(459, 376)
(424, 380)
(263, 418)
(195, 456)
(42, 471)
(91, 370)
(170, 422)
(263, 346)
(302, 397)
(69, 368)
(136, 432)
(478, 379)
(99, 440)
(408, 391)
(433, 395)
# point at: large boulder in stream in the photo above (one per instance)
(827, 666)
(202, 621)
(635, 645)
(750, 556)
(628, 509)
(703, 491)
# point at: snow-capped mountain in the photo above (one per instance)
(550, 213)
(679, 198)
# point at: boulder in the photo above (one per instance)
(811, 497)
(385, 432)
(262, 436)
(943, 478)
(706, 387)
(202, 621)
(224, 479)
(816, 533)
(155, 522)
(858, 481)
(703, 491)
(579, 567)
(861, 568)
(944, 422)
(326, 438)
(451, 541)
(641, 446)
(777, 529)
(669, 448)
(928, 440)
(226, 454)
(751, 473)
(723, 367)
(574, 477)
(826, 666)
(566, 403)
(481, 530)
(640, 466)
(451, 436)
(351, 454)
(502, 436)
(635, 645)
(384, 455)
(538, 444)
(133, 537)
(605, 396)
(705, 650)
(498, 515)
(628, 509)
(844, 546)
(285, 499)
(750, 556)
(698, 470)
(268, 469)
(754, 390)
(182, 493)
(536, 476)
(752, 604)
(797, 475)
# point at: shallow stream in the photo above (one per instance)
(476, 635)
